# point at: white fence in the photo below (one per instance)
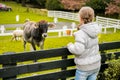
(64, 31)
(61, 32)
(64, 15)
(108, 23)
(103, 21)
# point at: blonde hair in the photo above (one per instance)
(86, 14)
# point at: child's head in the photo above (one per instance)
(86, 15)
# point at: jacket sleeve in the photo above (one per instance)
(77, 48)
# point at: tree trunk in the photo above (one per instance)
(23, 2)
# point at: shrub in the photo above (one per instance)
(113, 70)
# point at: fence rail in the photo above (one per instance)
(51, 64)
(64, 15)
(61, 28)
(103, 21)
(108, 23)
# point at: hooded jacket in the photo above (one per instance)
(86, 48)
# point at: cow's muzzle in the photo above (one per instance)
(44, 35)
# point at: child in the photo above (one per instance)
(86, 48)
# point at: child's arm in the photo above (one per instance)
(76, 48)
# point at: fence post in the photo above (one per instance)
(63, 58)
(2, 28)
(59, 34)
(8, 65)
(64, 30)
(73, 28)
(55, 20)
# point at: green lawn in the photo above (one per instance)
(6, 45)
(33, 14)
(110, 36)
(36, 15)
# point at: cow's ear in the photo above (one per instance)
(51, 25)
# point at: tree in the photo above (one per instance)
(23, 2)
(41, 3)
(72, 4)
(54, 5)
(18, 1)
(98, 5)
(113, 7)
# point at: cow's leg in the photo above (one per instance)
(33, 46)
(15, 38)
(12, 38)
(24, 45)
(42, 45)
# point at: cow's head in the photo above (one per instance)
(43, 27)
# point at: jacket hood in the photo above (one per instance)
(92, 29)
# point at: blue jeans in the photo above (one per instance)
(86, 75)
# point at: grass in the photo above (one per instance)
(110, 36)
(33, 14)
(6, 45)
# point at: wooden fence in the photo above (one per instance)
(51, 64)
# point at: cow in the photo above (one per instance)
(35, 33)
(17, 34)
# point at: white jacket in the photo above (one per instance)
(86, 48)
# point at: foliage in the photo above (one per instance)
(53, 5)
(113, 7)
(72, 4)
(98, 5)
(105, 7)
(41, 3)
(113, 70)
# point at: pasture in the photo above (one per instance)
(33, 14)
(52, 41)
(6, 45)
